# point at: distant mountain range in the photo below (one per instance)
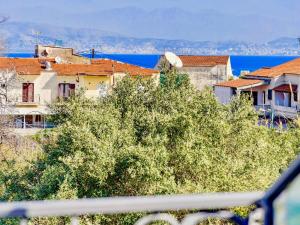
(22, 36)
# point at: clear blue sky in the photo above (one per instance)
(274, 18)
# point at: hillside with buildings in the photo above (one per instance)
(22, 36)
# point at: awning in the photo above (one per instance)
(286, 88)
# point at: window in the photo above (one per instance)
(295, 96)
(252, 96)
(283, 99)
(38, 118)
(233, 90)
(269, 94)
(65, 90)
(28, 92)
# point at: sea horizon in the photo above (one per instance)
(239, 63)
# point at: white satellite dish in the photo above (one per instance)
(174, 60)
(58, 60)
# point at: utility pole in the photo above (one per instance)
(37, 36)
(93, 53)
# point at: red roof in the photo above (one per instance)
(120, 67)
(34, 66)
(198, 60)
(291, 67)
(239, 83)
(286, 88)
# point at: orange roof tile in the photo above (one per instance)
(286, 88)
(239, 83)
(197, 60)
(21, 65)
(34, 66)
(291, 67)
(120, 67)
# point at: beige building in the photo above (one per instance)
(275, 91)
(43, 81)
(64, 55)
(204, 70)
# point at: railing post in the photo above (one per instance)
(74, 221)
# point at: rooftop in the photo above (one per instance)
(291, 67)
(197, 60)
(101, 67)
(240, 83)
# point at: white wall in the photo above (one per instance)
(223, 94)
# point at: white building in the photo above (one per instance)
(273, 89)
(204, 70)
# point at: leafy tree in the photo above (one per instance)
(145, 139)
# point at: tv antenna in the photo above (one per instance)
(37, 35)
(174, 60)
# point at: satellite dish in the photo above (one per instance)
(174, 60)
(58, 60)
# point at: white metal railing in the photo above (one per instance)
(263, 108)
(36, 99)
(118, 205)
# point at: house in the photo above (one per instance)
(274, 90)
(43, 80)
(204, 70)
(65, 55)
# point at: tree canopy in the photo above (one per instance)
(148, 139)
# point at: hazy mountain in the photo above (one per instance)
(21, 37)
(166, 23)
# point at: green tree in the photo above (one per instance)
(145, 139)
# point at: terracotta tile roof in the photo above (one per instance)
(291, 67)
(81, 69)
(22, 66)
(286, 88)
(197, 60)
(120, 67)
(34, 66)
(239, 83)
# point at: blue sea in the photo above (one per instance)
(239, 63)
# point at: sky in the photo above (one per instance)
(278, 17)
(269, 7)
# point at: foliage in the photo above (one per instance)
(145, 139)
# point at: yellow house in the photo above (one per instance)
(42, 81)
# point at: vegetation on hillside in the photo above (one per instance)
(145, 139)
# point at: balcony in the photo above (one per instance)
(263, 110)
(19, 100)
(286, 112)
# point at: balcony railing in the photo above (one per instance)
(36, 100)
(155, 208)
(263, 109)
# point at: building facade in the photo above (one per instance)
(273, 90)
(204, 70)
(41, 81)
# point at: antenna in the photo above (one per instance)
(298, 39)
(173, 59)
(37, 35)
